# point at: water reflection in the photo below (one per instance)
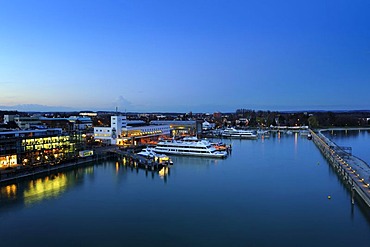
(9, 191)
(358, 140)
(346, 133)
(164, 172)
(30, 191)
(117, 167)
(120, 169)
(258, 186)
(198, 162)
(44, 188)
(295, 142)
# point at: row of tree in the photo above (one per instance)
(246, 117)
(313, 119)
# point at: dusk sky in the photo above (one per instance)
(193, 55)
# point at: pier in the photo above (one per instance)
(353, 171)
(135, 160)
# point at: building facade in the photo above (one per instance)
(26, 122)
(119, 133)
(181, 128)
(67, 124)
(34, 147)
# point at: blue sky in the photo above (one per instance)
(200, 56)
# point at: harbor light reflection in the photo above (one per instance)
(44, 188)
(9, 191)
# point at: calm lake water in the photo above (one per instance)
(271, 192)
(358, 140)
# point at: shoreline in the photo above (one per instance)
(15, 174)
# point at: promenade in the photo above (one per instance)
(132, 159)
(352, 170)
(32, 170)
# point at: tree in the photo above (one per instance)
(312, 121)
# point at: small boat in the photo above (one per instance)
(309, 136)
(236, 133)
(147, 152)
(150, 154)
(304, 133)
(220, 146)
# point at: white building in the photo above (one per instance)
(26, 122)
(119, 133)
(8, 118)
(207, 126)
(110, 134)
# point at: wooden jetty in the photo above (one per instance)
(135, 160)
(353, 171)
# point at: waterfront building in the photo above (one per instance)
(181, 128)
(109, 134)
(144, 134)
(120, 133)
(34, 147)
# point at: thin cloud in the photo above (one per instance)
(36, 107)
(122, 103)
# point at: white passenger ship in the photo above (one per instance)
(235, 133)
(192, 148)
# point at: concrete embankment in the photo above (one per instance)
(7, 176)
(352, 170)
(131, 159)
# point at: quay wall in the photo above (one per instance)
(99, 154)
(13, 175)
(353, 171)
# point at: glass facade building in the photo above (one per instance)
(34, 147)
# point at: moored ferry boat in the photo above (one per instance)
(191, 148)
(235, 133)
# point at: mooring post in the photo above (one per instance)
(353, 195)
